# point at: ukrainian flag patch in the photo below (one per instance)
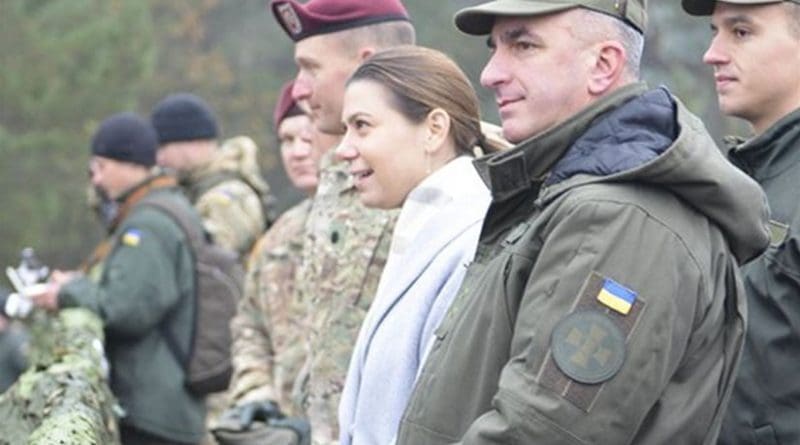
(616, 296)
(132, 237)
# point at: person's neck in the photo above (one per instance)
(761, 124)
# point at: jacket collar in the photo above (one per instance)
(772, 152)
(129, 199)
(512, 172)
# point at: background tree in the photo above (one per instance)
(67, 64)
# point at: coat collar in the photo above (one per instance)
(512, 172)
(772, 152)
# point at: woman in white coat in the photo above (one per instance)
(413, 124)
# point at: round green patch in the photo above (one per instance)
(588, 347)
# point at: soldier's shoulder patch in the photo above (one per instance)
(132, 237)
(588, 347)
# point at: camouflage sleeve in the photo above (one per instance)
(232, 214)
(265, 350)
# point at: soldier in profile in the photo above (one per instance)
(755, 52)
(140, 281)
(604, 305)
(223, 181)
(268, 347)
(345, 244)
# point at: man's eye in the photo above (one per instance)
(523, 46)
(741, 32)
(360, 124)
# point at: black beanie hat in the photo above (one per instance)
(183, 117)
(126, 137)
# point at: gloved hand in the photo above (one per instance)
(258, 410)
(263, 423)
(299, 425)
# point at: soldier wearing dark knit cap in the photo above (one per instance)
(224, 181)
(140, 282)
(604, 305)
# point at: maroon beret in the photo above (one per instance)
(286, 106)
(301, 20)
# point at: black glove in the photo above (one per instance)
(260, 410)
(262, 423)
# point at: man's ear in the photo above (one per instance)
(608, 68)
(438, 124)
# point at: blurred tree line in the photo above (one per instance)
(67, 64)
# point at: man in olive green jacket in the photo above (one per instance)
(755, 52)
(604, 305)
(140, 281)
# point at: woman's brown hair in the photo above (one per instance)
(422, 79)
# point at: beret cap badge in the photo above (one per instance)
(290, 19)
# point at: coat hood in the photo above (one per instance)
(237, 156)
(651, 138)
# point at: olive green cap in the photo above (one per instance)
(478, 20)
(706, 7)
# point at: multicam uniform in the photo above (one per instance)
(268, 347)
(345, 250)
(229, 193)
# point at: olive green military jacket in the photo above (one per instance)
(229, 194)
(765, 405)
(145, 287)
(604, 305)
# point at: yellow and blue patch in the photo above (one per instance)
(132, 237)
(616, 296)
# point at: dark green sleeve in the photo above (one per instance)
(139, 284)
(538, 403)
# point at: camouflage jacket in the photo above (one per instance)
(268, 346)
(345, 249)
(228, 193)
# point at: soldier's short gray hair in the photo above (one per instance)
(598, 26)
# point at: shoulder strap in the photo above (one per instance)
(267, 200)
(195, 237)
(214, 179)
(182, 219)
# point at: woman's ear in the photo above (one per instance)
(365, 53)
(438, 129)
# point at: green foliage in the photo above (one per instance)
(66, 65)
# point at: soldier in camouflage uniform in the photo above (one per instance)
(346, 244)
(222, 181)
(267, 340)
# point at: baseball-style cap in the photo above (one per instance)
(706, 7)
(478, 20)
(302, 20)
